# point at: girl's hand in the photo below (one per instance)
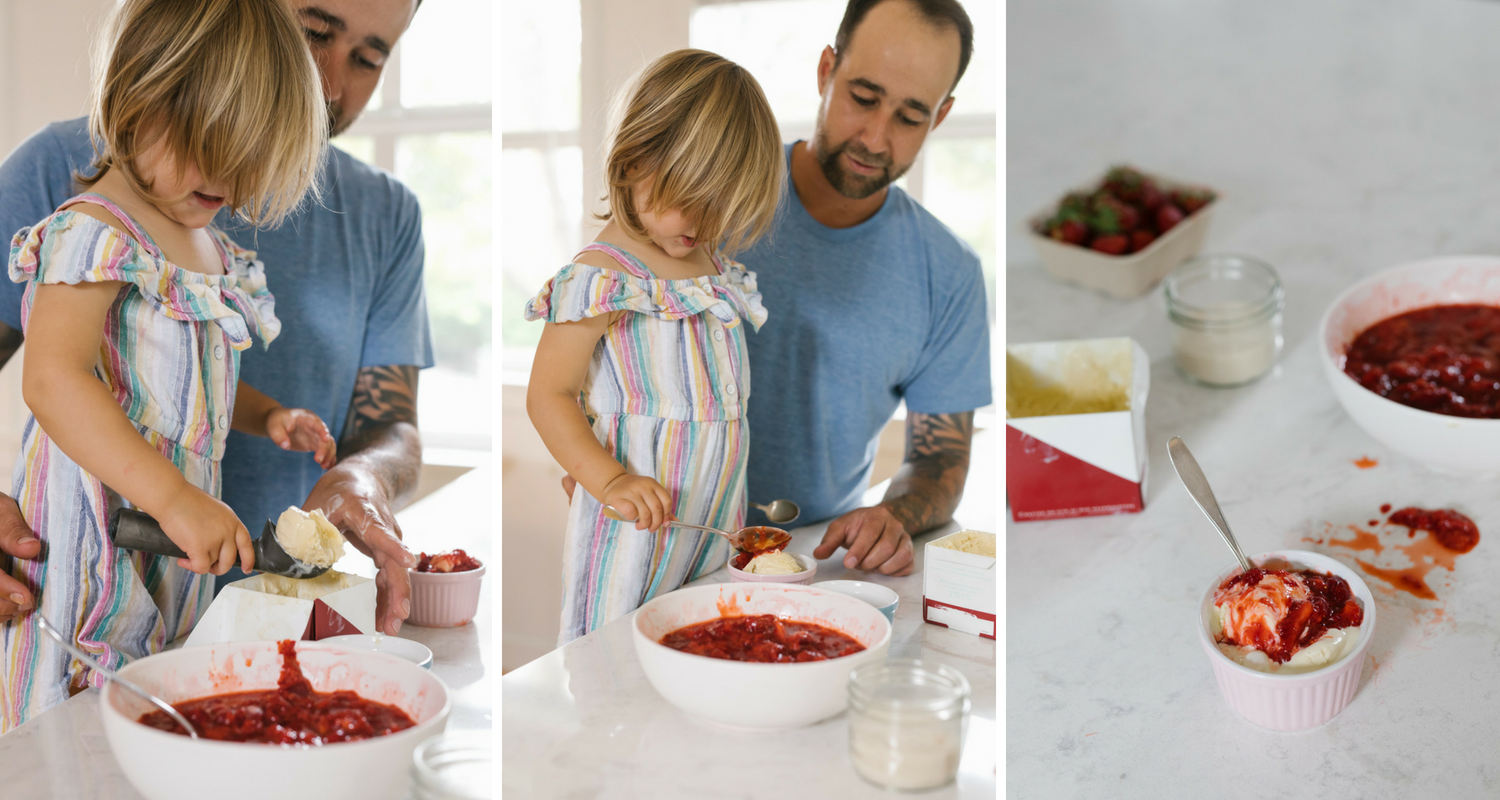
(207, 531)
(303, 431)
(640, 498)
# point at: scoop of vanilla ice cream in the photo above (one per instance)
(309, 537)
(1332, 646)
(302, 589)
(1251, 613)
(777, 563)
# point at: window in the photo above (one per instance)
(430, 125)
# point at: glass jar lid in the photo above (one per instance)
(1214, 292)
(908, 686)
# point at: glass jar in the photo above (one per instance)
(1227, 313)
(907, 720)
(454, 766)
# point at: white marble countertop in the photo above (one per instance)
(1345, 137)
(583, 721)
(63, 754)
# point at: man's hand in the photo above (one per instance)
(356, 504)
(875, 540)
(16, 540)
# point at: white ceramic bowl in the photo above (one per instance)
(809, 569)
(415, 652)
(751, 696)
(1448, 444)
(882, 597)
(1290, 702)
(167, 766)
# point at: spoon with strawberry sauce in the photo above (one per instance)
(754, 540)
(1197, 485)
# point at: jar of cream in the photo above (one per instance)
(1226, 313)
(907, 720)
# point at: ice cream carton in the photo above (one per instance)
(1075, 428)
(958, 588)
(259, 608)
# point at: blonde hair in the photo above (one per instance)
(700, 125)
(229, 86)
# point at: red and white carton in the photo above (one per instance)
(1078, 465)
(958, 588)
(243, 612)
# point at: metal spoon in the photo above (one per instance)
(780, 511)
(136, 530)
(1197, 486)
(754, 539)
(48, 629)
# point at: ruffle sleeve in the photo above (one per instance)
(72, 248)
(250, 296)
(739, 285)
(580, 291)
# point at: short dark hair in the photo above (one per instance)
(940, 13)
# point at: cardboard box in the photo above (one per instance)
(958, 589)
(246, 611)
(1078, 465)
(1130, 275)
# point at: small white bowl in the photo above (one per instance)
(1446, 443)
(168, 766)
(809, 569)
(444, 599)
(1290, 702)
(415, 652)
(754, 696)
(883, 598)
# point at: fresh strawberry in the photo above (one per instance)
(1167, 217)
(1125, 183)
(1071, 231)
(1140, 239)
(1112, 244)
(1152, 197)
(1192, 199)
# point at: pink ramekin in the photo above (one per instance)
(444, 599)
(1290, 702)
(809, 569)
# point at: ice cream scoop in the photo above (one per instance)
(136, 530)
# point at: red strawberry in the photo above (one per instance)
(1113, 244)
(1112, 215)
(1167, 217)
(1071, 231)
(1141, 239)
(1192, 199)
(1151, 196)
(1125, 183)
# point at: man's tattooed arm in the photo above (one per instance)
(381, 427)
(926, 489)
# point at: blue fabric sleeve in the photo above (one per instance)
(953, 372)
(399, 331)
(34, 181)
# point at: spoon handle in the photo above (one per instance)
(1197, 485)
(609, 511)
(57, 636)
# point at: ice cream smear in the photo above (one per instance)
(309, 537)
(1285, 621)
(778, 562)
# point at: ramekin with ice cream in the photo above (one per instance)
(774, 567)
(1284, 684)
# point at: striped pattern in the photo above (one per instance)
(170, 356)
(665, 394)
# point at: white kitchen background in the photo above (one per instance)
(563, 63)
(430, 124)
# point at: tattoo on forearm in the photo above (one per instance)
(383, 417)
(10, 342)
(927, 488)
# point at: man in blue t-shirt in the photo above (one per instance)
(347, 276)
(872, 301)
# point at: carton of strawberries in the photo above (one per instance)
(1125, 233)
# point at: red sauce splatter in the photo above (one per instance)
(1444, 359)
(1449, 534)
(290, 714)
(763, 638)
(1386, 508)
(451, 561)
(1261, 596)
(1365, 462)
(1374, 522)
(1451, 529)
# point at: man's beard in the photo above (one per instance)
(335, 127)
(847, 183)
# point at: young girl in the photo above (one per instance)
(135, 312)
(640, 379)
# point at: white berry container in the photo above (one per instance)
(1290, 702)
(444, 599)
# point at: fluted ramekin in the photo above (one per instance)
(444, 599)
(1290, 702)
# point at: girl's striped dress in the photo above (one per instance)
(666, 396)
(170, 356)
